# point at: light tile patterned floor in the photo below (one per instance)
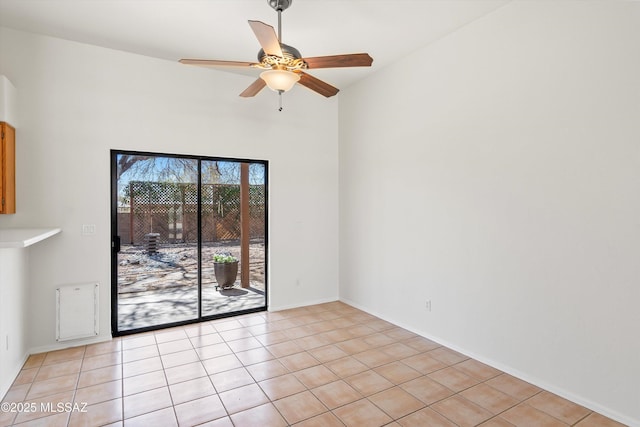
(324, 365)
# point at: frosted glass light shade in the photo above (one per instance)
(279, 80)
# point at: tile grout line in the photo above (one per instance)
(166, 379)
(302, 336)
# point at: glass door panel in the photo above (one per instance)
(157, 265)
(170, 216)
(224, 213)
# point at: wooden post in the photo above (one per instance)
(214, 211)
(183, 218)
(245, 225)
(131, 212)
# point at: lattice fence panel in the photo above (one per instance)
(226, 199)
(171, 210)
(257, 210)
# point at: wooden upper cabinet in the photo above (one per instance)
(7, 169)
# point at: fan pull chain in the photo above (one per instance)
(279, 100)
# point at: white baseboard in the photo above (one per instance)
(288, 307)
(69, 344)
(594, 406)
(11, 377)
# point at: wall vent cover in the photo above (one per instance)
(76, 311)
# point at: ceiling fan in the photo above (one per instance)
(283, 65)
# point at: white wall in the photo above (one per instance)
(14, 284)
(76, 102)
(7, 102)
(497, 174)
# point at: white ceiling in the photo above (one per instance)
(218, 29)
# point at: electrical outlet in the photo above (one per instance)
(88, 229)
(427, 305)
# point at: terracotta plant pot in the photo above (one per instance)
(226, 273)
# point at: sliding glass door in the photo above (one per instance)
(170, 216)
(234, 228)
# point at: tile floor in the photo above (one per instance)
(324, 365)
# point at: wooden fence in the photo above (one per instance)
(171, 210)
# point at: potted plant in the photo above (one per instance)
(225, 268)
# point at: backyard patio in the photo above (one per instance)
(158, 288)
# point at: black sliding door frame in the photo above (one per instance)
(115, 240)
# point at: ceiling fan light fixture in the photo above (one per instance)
(280, 80)
(283, 66)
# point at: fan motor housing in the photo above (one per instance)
(291, 58)
(280, 5)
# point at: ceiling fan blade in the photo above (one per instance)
(335, 61)
(267, 38)
(317, 85)
(215, 63)
(253, 88)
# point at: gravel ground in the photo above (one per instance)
(176, 265)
